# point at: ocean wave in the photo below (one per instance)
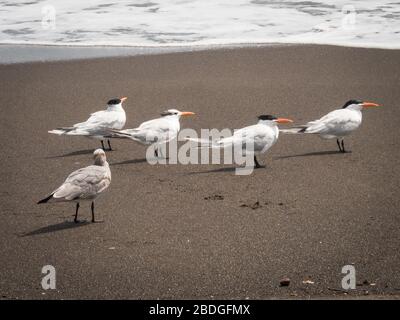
(178, 23)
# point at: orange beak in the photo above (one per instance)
(187, 113)
(283, 120)
(370, 104)
(123, 99)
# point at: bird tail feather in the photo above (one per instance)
(119, 134)
(46, 199)
(294, 130)
(62, 130)
(203, 143)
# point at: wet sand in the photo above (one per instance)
(196, 231)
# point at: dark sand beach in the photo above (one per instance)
(196, 231)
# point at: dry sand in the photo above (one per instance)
(318, 210)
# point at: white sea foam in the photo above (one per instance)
(159, 23)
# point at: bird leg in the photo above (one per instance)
(92, 207)
(338, 143)
(256, 164)
(160, 152)
(102, 145)
(109, 145)
(343, 149)
(76, 213)
(93, 219)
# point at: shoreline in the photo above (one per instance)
(20, 53)
(31, 53)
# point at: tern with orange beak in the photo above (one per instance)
(336, 124)
(96, 126)
(253, 140)
(155, 132)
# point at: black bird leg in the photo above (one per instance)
(257, 165)
(93, 218)
(102, 145)
(76, 213)
(109, 145)
(338, 143)
(343, 149)
(92, 207)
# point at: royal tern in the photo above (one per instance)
(113, 117)
(253, 140)
(336, 124)
(85, 184)
(154, 132)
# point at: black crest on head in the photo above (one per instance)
(168, 113)
(350, 102)
(267, 117)
(114, 101)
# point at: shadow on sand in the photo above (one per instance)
(55, 227)
(71, 154)
(221, 170)
(311, 154)
(128, 162)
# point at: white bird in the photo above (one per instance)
(154, 132)
(253, 140)
(113, 117)
(85, 184)
(336, 124)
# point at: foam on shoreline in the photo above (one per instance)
(157, 26)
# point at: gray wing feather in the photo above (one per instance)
(84, 183)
